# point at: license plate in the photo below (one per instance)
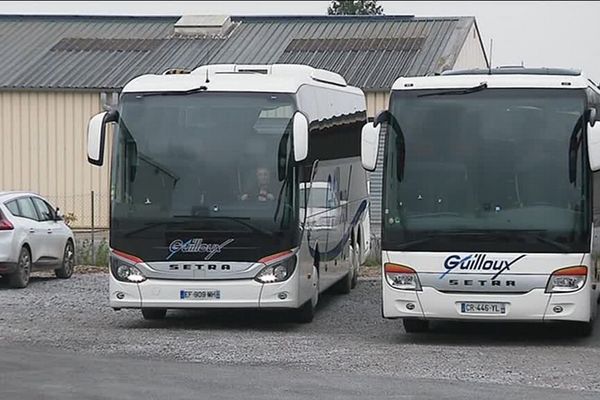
(202, 294)
(483, 308)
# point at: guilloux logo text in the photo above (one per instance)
(196, 245)
(477, 262)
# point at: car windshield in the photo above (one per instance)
(486, 170)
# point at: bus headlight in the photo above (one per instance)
(401, 277)
(130, 273)
(123, 269)
(567, 280)
(278, 269)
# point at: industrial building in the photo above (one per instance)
(58, 71)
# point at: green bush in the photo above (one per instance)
(83, 253)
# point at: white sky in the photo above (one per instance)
(559, 34)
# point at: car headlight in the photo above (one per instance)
(401, 277)
(567, 280)
(122, 267)
(279, 267)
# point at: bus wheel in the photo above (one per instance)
(355, 265)
(415, 325)
(584, 329)
(306, 313)
(154, 313)
(345, 285)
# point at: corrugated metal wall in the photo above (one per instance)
(376, 101)
(471, 55)
(43, 144)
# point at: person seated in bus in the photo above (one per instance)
(263, 190)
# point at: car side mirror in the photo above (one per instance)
(593, 141)
(96, 134)
(300, 135)
(58, 215)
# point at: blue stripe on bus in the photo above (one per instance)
(333, 253)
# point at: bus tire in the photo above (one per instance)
(306, 313)
(344, 285)
(153, 314)
(412, 325)
(355, 266)
(584, 329)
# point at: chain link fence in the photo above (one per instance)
(88, 216)
(84, 211)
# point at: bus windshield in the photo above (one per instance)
(487, 170)
(215, 166)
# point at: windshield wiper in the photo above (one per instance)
(504, 235)
(457, 92)
(574, 144)
(240, 220)
(173, 92)
(150, 226)
(513, 234)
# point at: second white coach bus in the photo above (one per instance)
(491, 201)
(212, 172)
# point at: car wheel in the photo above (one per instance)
(306, 313)
(20, 278)
(415, 325)
(68, 263)
(154, 313)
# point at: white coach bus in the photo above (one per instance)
(211, 177)
(491, 199)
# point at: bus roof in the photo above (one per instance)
(278, 78)
(516, 70)
(511, 77)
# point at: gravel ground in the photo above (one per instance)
(348, 334)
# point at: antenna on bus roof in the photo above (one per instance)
(207, 61)
(490, 61)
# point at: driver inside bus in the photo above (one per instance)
(262, 191)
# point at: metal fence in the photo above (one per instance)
(88, 215)
(85, 210)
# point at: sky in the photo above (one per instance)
(551, 33)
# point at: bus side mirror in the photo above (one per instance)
(300, 136)
(593, 138)
(97, 135)
(369, 145)
(593, 116)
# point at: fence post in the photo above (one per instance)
(92, 233)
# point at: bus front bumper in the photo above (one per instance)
(536, 305)
(160, 293)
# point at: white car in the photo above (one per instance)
(32, 236)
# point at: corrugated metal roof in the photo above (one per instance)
(92, 52)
